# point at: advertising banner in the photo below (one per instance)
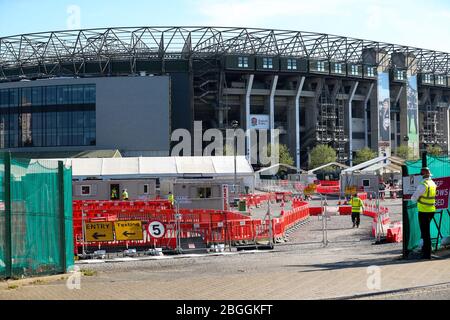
(412, 97)
(384, 114)
(259, 122)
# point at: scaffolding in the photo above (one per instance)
(432, 131)
(330, 127)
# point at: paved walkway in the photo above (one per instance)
(301, 269)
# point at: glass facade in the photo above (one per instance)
(50, 116)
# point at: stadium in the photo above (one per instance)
(128, 89)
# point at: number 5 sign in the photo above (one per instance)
(156, 229)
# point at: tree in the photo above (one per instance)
(364, 155)
(283, 151)
(322, 154)
(434, 150)
(405, 152)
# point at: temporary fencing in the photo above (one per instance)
(212, 226)
(440, 225)
(35, 217)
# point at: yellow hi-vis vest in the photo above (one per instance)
(427, 201)
(171, 198)
(357, 204)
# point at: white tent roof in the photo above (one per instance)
(158, 166)
(387, 164)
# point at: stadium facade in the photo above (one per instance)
(129, 88)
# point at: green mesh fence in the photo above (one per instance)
(36, 234)
(440, 167)
(3, 226)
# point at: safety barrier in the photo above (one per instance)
(256, 200)
(328, 189)
(211, 225)
(395, 233)
(328, 183)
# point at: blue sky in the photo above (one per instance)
(417, 23)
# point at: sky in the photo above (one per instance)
(417, 23)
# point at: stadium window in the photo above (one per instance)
(355, 70)
(4, 98)
(145, 188)
(50, 96)
(267, 63)
(338, 68)
(292, 64)
(25, 97)
(366, 183)
(440, 80)
(13, 97)
(89, 94)
(36, 96)
(400, 75)
(370, 71)
(321, 66)
(78, 94)
(427, 78)
(243, 62)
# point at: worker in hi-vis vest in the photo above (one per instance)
(125, 195)
(171, 198)
(425, 196)
(357, 206)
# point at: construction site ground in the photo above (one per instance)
(302, 268)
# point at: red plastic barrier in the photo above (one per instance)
(212, 226)
(328, 189)
(395, 233)
(326, 183)
(345, 210)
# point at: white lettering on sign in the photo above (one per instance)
(225, 197)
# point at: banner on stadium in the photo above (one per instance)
(413, 115)
(259, 122)
(384, 115)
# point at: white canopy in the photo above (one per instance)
(158, 167)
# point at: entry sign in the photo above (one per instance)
(156, 229)
(99, 231)
(128, 230)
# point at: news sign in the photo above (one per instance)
(411, 183)
(443, 193)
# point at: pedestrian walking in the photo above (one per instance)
(357, 206)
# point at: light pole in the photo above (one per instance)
(235, 125)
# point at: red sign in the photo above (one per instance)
(411, 183)
(443, 193)
(225, 197)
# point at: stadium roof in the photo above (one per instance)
(51, 49)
